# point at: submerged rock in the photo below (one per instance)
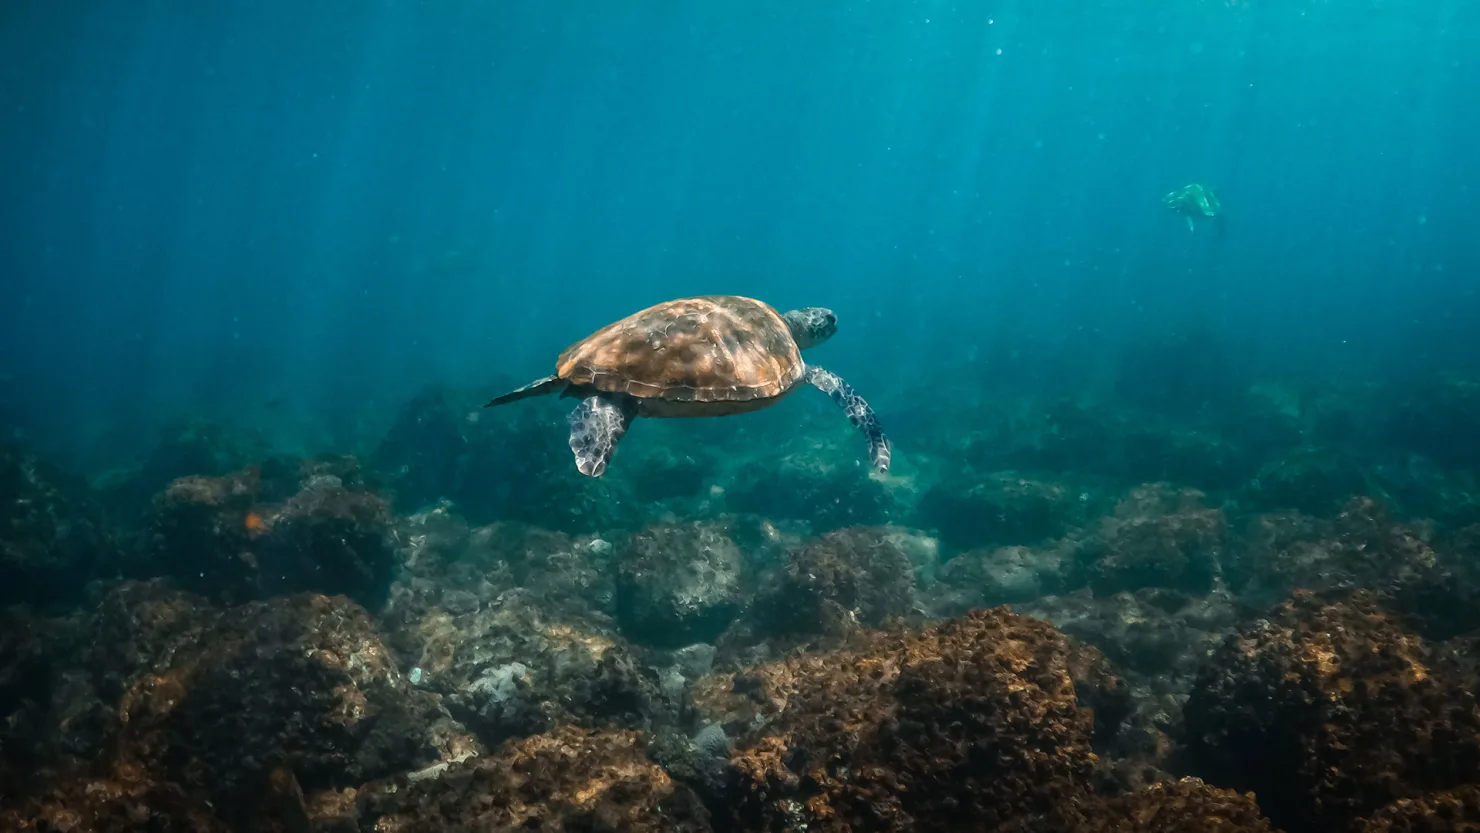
(513, 669)
(217, 536)
(680, 583)
(1312, 480)
(973, 722)
(1185, 806)
(301, 681)
(825, 483)
(185, 448)
(566, 780)
(52, 536)
(858, 577)
(164, 702)
(421, 454)
(1449, 811)
(1158, 536)
(1329, 710)
(1004, 575)
(120, 802)
(1002, 510)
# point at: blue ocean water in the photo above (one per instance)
(1182, 528)
(217, 208)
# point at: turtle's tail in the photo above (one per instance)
(549, 384)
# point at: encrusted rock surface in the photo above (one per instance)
(1449, 811)
(126, 801)
(301, 681)
(420, 455)
(1003, 575)
(567, 780)
(851, 578)
(511, 669)
(1157, 536)
(1002, 509)
(224, 538)
(1185, 806)
(1328, 710)
(52, 536)
(973, 721)
(680, 583)
(825, 483)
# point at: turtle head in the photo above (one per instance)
(811, 326)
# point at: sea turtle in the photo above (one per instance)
(1194, 201)
(691, 357)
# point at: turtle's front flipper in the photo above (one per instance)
(595, 426)
(858, 411)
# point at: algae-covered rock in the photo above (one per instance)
(219, 536)
(972, 722)
(1004, 509)
(1329, 710)
(512, 668)
(52, 536)
(1158, 536)
(566, 780)
(302, 680)
(680, 583)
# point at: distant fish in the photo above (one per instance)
(255, 523)
(1194, 201)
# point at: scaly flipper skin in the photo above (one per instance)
(858, 411)
(595, 427)
(539, 387)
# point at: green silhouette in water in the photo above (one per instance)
(1195, 201)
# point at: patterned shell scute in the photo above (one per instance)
(719, 348)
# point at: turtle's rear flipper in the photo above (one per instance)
(595, 426)
(539, 387)
(858, 411)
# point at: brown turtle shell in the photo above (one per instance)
(718, 348)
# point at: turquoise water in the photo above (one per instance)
(1174, 492)
(295, 217)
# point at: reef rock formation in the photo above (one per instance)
(219, 536)
(1450, 811)
(52, 536)
(511, 669)
(680, 583)
(1004, 509)
(852, 578)
(567, 780)
(1329, 710)
(1157, 536)
(1185, 806)
(302, 682)
(123, 802)
(973, 722)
